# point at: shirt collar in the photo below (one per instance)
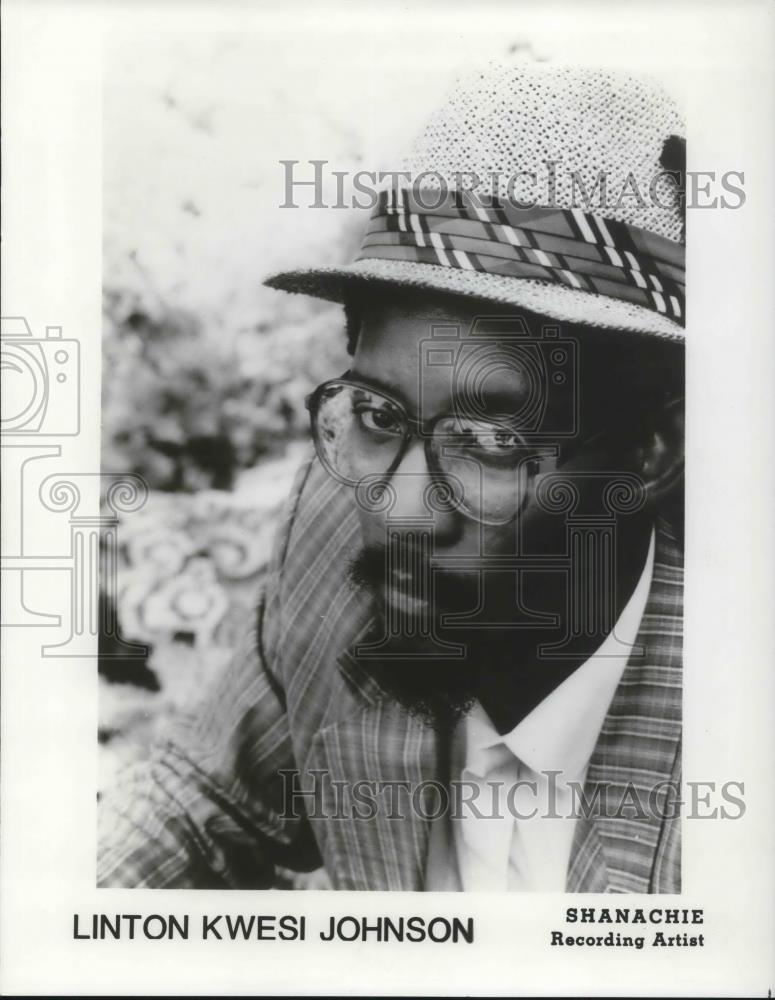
(561, 732)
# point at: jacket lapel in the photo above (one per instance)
(380, 754)
(616, 846)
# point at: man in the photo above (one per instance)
(465, 670)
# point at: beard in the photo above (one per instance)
(429, 665)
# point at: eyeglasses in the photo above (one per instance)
(362, 434)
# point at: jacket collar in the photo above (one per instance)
(638, 750)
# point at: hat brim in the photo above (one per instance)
(545, 298)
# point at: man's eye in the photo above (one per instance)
(379, 420)
(495, 441)
(490, 446)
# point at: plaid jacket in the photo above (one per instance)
(213, 808)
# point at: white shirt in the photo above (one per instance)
(515, 831)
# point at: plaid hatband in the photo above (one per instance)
(579, 249)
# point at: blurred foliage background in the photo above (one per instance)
(188, 410)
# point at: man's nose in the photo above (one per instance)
(419, 497)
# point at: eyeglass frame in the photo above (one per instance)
(415, 429)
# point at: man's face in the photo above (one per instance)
(441, 357)
(425, 562)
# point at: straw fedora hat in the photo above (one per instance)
(551, 188)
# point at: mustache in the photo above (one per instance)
(411, 565)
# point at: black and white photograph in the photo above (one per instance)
(470, 622)
(389, 500)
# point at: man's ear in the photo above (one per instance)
(660, 457)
